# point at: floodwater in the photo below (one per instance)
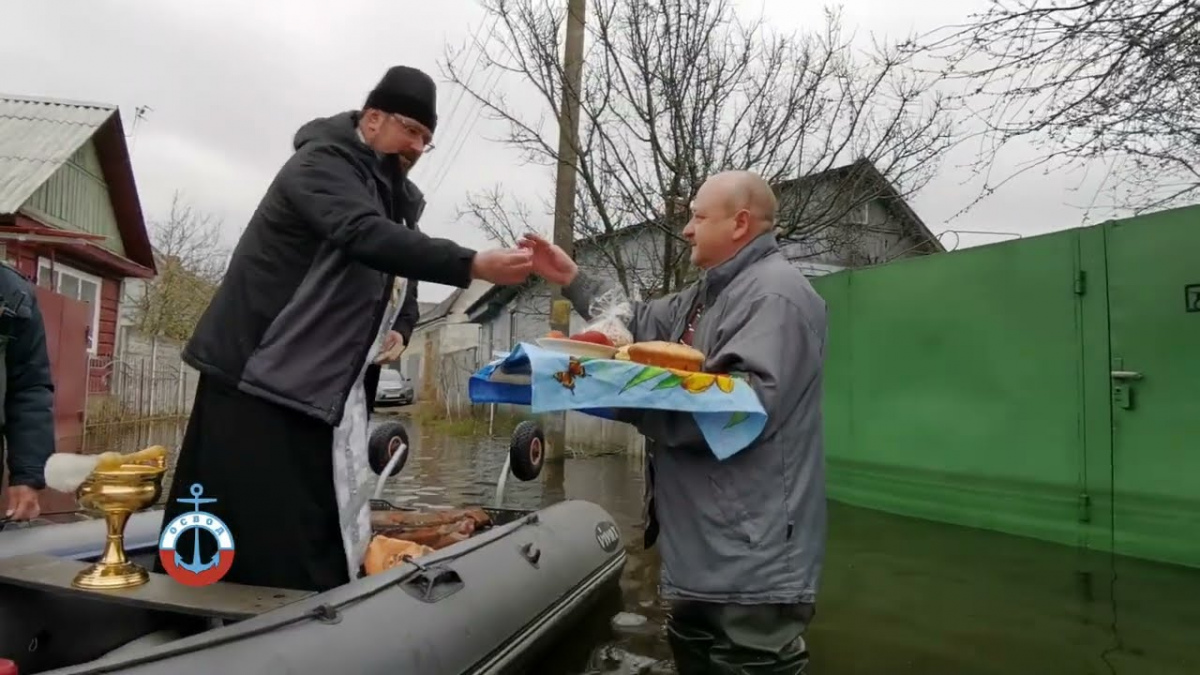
(898, 595)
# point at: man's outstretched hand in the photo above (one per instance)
(503, 267)
(550, 262)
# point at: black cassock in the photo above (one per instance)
(271, 471)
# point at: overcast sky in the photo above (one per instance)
(228, 82)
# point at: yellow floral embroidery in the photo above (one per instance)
(698, 383)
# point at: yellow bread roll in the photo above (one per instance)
(670, 355)
(114, 460)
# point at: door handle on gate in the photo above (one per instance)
(1122, 388)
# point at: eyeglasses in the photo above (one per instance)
(415, 129)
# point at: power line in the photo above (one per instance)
(435, 166)
(489, 87)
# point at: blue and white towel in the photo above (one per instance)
(725, 408)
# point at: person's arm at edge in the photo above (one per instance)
(29, 403)
(651, 320)
(323, 185)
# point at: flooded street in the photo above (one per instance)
(898, 596)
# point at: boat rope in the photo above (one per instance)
(324, 613)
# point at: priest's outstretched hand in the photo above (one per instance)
(503, 267)
(550, 262)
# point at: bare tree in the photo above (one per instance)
(675, 90)
(452, 372)
(191, 262)
(501, 217)
(1086, 80)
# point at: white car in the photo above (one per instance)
(393, 389)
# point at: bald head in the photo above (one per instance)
(746, 190)
(731, 208)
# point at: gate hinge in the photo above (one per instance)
(1085, 507)
(1080, 282)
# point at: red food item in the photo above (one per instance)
(435, 536)
(593, 336)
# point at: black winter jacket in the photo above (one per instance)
(308, 281)
(27, 416)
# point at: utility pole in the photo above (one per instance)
(564, 188)
(568, 157)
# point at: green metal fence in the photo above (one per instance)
(1013, 386)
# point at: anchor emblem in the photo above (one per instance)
(193, 570)
(196, 565)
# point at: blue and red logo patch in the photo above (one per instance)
(179, 544)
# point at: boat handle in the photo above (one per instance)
(531, 553)
(1126, 375)
(434, 584)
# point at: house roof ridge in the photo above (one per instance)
(49, 100)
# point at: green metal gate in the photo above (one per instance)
(1018, 386)
(1153, 268)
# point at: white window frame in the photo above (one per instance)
(60, 268)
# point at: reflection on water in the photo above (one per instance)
(898, 596)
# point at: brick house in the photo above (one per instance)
(71, 221)
(70, 217)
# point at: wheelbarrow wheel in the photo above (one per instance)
(386, 440)
(527, 451)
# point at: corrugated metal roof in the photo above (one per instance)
(441, 309)
(37, 136)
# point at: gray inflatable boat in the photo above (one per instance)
(492, 603)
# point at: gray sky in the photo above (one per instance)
(230, 81)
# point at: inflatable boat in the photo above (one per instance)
(488, 601)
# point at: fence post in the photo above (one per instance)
(153, 375)
(87, 400)
(179, 386)
(117, 388)
(141, 388)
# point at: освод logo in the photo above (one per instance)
(179, 544)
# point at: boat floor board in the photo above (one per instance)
(221, 600)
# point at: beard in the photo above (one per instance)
(406, 163)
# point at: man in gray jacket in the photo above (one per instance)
(742, 540)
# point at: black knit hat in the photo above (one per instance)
(406, 91)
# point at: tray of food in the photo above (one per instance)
(601, 369)
(590, 344)
(594, 344)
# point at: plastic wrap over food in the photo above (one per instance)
(611, 313)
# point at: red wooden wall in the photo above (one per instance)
(25, 256)
(67, 322)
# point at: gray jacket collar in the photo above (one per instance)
(717, 278)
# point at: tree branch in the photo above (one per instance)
(677, 90)
(1116, 81)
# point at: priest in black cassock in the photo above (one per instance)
(313, 293)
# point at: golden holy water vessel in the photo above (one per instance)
(118, 487)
